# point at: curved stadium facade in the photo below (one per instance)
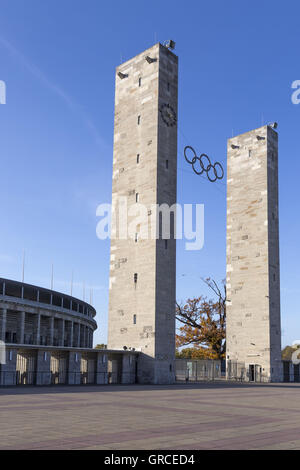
(47, 338)
(32, 315)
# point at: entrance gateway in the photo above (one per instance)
(142, 272)
(255, 373)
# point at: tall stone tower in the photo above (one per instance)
(253, 282)
(143, 271)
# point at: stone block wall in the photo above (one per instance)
(142, 271)
(253, 276)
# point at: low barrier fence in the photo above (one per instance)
(9, 378)
(193, 370)
(236, 371)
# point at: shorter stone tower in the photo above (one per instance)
(253, 277)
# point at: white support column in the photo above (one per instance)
(78, 335)
(71, 334)
(84, 336)
(62, 336)
(38, 328)
(3, 324)
(22, 327)
(51, 331)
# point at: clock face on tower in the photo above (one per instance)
(168, 115)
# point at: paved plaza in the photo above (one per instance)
(200, 416)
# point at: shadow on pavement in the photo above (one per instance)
(38, 390)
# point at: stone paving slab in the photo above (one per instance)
(189, 416)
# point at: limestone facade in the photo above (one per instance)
(253, 276)
(142, 271)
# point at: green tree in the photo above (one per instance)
(101, 346)
(287, 352)
(203, 324)
(191, 353)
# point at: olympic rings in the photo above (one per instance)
(204, 168)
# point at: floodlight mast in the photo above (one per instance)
(274, 125)
(170, 44)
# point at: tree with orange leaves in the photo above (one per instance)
(204, 324)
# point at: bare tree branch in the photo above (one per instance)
(203, 322)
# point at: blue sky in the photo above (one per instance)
(237, 61)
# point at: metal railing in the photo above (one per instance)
(193, 370)
(236, 371)
(12, 378)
